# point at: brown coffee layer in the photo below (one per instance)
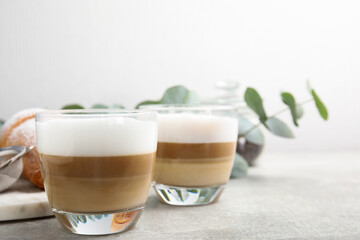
(194, 164)
(97, 184)
(196, 173)
(195, 150)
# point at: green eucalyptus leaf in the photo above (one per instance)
(254, 101)
(99, 106)
(147, 102)
(299, 111)
(82, 218)
(192, 190)
(165, 194)
(289, 100)
(279, 128)
(240, 167)
(320, 105)
(192, 98)
(72, 106)
(1, 123)
(251, 131)
(175, 95)
(117, 106)
(255, 136)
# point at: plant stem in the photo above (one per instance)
(304, 102)
(277, 113)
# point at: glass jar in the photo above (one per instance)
(250, 142)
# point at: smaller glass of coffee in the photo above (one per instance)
(97, 166)
(195, 153)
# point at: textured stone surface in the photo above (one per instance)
(23, 200)
(288, 196)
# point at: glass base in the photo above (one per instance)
(188, 196)
(99, 223)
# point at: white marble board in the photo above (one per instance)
(22, 201)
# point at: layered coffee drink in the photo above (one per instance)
(195, 150)
(97, 165)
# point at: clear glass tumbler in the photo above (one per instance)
(195, 154)
(97, 166)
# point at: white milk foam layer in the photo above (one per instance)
(196, 128)
(110, 136)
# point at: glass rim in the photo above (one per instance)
(188, 107)
(86, 113)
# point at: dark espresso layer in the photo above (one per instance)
(194, 164)
(97, 184)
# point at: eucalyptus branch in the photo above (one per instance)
(277, 113)
(287, 109)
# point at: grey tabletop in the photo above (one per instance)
(288, 196)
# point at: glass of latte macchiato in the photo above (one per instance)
(97, 166)
(195, 154)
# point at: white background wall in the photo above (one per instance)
(56, 52)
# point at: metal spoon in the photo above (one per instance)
(11, 168)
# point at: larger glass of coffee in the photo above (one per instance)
(196, 148)
(97, 166)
